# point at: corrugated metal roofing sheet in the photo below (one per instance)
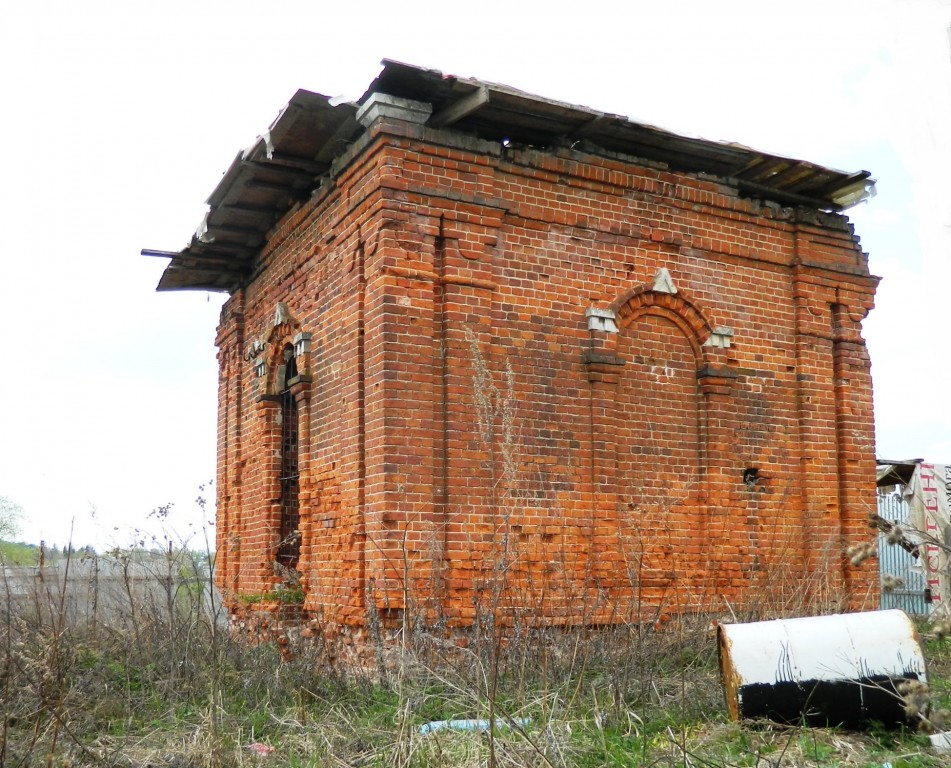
(284, 165)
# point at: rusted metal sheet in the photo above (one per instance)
(506, 112)
(279, 170)
(286, 164)
(824, 670)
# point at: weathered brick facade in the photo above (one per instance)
(555, 379)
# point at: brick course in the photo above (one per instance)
(468, 443)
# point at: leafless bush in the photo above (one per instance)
(97, 648)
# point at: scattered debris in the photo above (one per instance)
(260, 750)
(472, 725)
(941, 742)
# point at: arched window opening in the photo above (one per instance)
(288, 552)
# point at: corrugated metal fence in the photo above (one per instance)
(896, 563)
(113, 588)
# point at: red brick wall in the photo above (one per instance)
(470, 444)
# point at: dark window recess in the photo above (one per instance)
(289, 550)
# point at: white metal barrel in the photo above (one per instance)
(822, 670)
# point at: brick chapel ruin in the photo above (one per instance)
(484, 346)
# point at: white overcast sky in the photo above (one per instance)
(117, 119)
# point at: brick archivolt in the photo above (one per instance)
(706, 340)
(285, 332)
(683, 313)
(281, 338)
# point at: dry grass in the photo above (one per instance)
(146, 673)
(172, 689)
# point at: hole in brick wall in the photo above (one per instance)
(750, 477)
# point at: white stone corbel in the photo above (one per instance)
(255, 348)
(601, 320)
(383, 105)
(260, 367)
(721, 337)
(302, 344)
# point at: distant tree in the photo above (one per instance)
(10, 514)
(14, 553)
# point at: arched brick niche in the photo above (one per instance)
(655, 368)
(658, 410)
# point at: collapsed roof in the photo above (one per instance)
(286, 164)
